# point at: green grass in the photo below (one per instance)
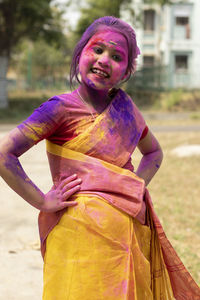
(18, 110)
(175, 192)
(179, 100)
(172, 100)
(195, 116)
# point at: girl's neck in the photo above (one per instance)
(99, 100)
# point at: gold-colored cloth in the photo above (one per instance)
(99, 252)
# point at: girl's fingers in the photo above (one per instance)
(70, 185)
(67, 204)
(66, 180)
(70, 192)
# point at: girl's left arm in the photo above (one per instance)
(152, 157)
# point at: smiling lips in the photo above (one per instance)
(100, 72)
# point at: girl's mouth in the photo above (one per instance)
(99, 72)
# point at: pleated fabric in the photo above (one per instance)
(98, 252)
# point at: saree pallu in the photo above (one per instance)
(111, 245)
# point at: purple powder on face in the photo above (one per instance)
(101, 24)
(90, 83)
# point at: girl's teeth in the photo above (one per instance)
(96, 71)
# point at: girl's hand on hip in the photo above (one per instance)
(56, 198)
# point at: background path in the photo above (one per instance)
(20, 259)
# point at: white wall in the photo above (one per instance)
(164, 45)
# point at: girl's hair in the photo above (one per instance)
(112, 23)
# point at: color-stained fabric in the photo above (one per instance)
(97, 161)
(98, 252)
(164, 262)
(111, 245)
(61, 119)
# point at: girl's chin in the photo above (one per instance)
(97, 85)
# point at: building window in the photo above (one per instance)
(148, 61)
(181, 63)
(183, 26)
(183, 21)
(149, 20)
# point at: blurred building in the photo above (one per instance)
(169, 36)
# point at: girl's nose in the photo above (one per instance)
(103, 61)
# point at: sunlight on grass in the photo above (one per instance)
(175, 192)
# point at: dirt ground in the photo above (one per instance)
(20, 259)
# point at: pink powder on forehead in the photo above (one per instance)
(98, 39)
(105, 28)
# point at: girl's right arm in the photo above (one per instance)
(11, 147)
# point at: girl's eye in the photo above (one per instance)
(117, 57)
(98, 50)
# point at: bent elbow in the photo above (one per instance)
(159, 158)
(5, 160)
(161, 155)
(2, 162)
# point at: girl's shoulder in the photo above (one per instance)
(58, 105)
(66, 99)
(133, 108)
(129, 100)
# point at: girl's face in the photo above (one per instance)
(104, 60)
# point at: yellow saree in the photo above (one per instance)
(111, 245)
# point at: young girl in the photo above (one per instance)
(100, 236)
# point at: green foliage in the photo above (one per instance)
(48, 61)
(38, 65)
(173, 99)
(22, 104)
(144, 98)
(32, 19)
(19, 110)
(96, 9)
(195, 116)
(161, 2)
(180, 100)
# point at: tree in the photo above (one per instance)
(20, 19)
(161, 2)
(40, 65)
(95, 9)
